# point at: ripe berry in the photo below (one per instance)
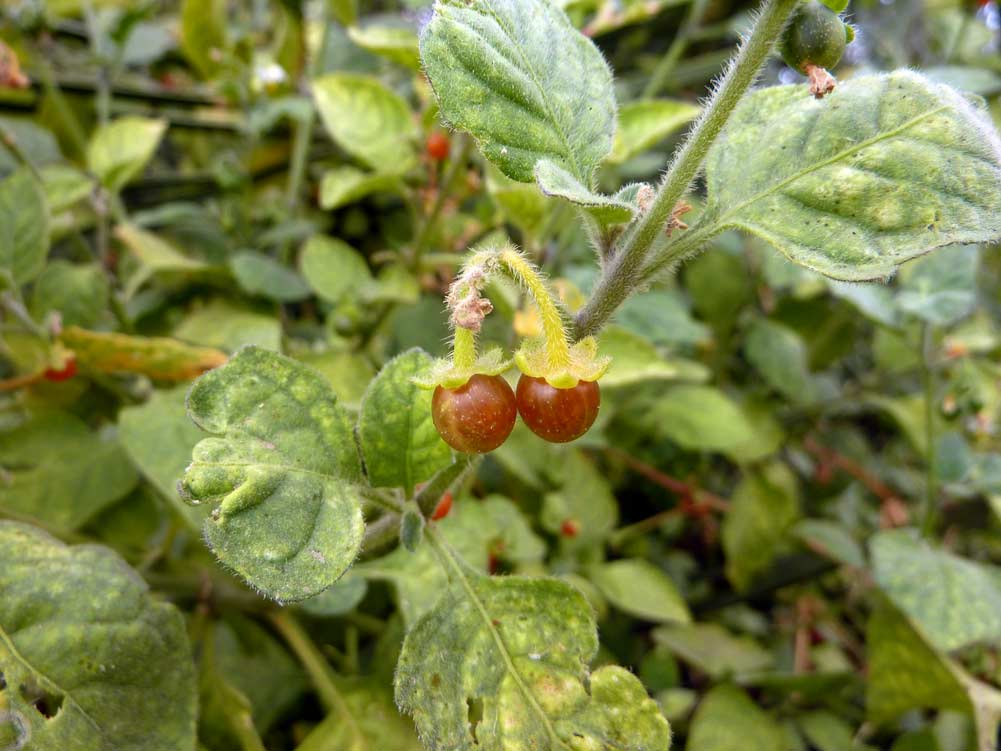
(816, 36)
(443, 507)
(558, 415)
(67, 371)
(438, 146)
(570, 528)
(478, 416)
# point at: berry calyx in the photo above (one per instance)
(61, 373)
(558, 415)
(443, 508)
(476, 417)
(438, 146)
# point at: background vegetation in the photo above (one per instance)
(786, 519)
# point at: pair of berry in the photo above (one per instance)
(479, 415)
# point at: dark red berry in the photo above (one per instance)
(438, 146)
(67, 371)
(478, 416)
(443, 507)
(558, 415)
(570, 528)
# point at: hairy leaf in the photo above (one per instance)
(279, 470)
(81, 636)
(553, 180)
(24, 227)
(954, 601)
(885, 169)
(522, 648)
(519, 77)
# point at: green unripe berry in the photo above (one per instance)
(815, 36)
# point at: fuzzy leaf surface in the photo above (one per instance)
(523, 81)
(884, 170)
(280, 468)
(522, 647)
(79, 627)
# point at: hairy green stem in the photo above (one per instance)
(621, 274)
(463, 348)
(670, 60)
(931, 477)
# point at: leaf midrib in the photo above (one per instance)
(441, 546)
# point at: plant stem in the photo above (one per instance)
(931, 476)
(455, 170)
(463, 348)
(316, 665)
(557, 348)
(15, 307)
(621, 275)
(670, 60)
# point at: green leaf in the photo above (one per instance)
(701, 418)
(342, 186)
(333, 268)
(348, 373)
(203, 35)
(780, 356)
(370, 722)
(229, 326)
(78, 292)
(955, 602)
(119, 151)
(714, 650)
(644, 123)
(555, 181)
(521, 647)
(398, 440)
(279, 470)
(112, 663)
(54, 468)
(639, 588)
(395, 43)
(65, 186)
(367, 120)
(886, 169)
(339, 598)
(260, 274)
(491, 65)
(634, 360)
(941, 288)
(159, 438)
(585, 497)
(830, 540)
(756, 528)
(24, 227)
(727, 719)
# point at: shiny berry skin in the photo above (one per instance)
(438, 146)
(478, 416)
(443, 507)
(67, 371)
(558, 415)
(815, 36)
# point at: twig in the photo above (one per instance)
(877, 487)
(666, 481)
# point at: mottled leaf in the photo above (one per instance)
(367, 120)
(119, 151)
(279, 470)
(955, 602)
(54, 468)
(24, 227)
(521, 647)
(398, 440)
(494, 68)
(79, 630)
(887, 168)
(642, 590)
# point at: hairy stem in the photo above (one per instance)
(463, 348)
(557, 348)
(621, 274)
